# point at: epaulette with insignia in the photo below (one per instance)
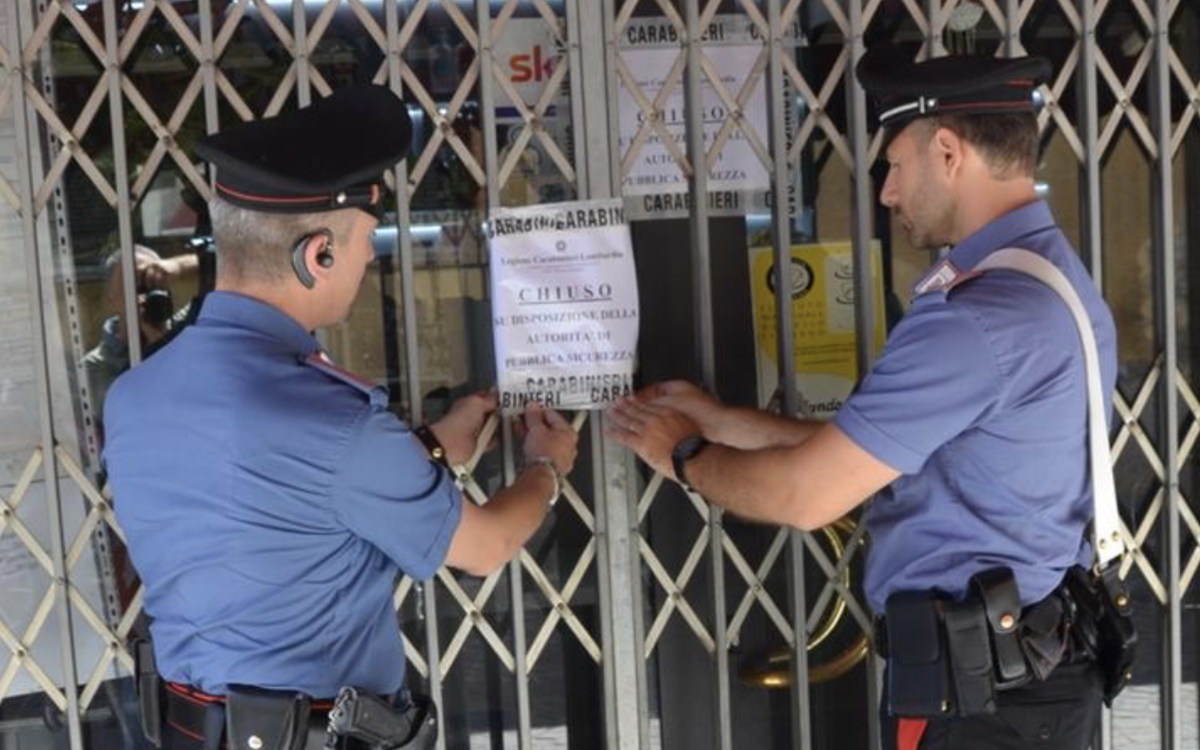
(943, 278)
(375, 392)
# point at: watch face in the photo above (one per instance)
(683, 451)
(689, 447)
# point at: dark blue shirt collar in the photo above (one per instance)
(1004, 231)
(254, 314)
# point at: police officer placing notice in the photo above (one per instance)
(972, 427)
(269, 513)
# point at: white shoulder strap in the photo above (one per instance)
(1107, 543)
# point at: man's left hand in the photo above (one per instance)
(650, 430)
(458, 431)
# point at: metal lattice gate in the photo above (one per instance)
(640, 617)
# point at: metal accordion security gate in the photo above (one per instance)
(639, 617)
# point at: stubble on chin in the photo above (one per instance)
(916, 239)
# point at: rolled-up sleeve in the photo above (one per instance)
(389, 493)
(936, 377)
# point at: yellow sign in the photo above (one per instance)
(821, 284)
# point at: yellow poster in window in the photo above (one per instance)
(821, 283)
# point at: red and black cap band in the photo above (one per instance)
(366, 197)
(903, 90)
(324, 157)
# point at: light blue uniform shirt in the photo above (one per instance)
(979, 400)
(270, 501)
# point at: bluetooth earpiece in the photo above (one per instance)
(324, 258)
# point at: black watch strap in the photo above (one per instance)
(684, 451)
(437, 452)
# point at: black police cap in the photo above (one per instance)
(327, 156)
(904, 90)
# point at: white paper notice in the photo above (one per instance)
(737, 165)
(564, 304)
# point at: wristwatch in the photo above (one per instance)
(684, 451)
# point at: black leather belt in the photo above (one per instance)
(192, 713)
(951, 655)
(198, 715)
(880, 622)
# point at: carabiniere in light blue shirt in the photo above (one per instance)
(979, 400)
(270, 501)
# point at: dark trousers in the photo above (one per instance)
(1062, 713)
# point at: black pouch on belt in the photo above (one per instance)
(149, 686)
(918, 668)
(258, 719)
(997, 589)
(970, 657)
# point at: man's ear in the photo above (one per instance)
(312, 256)
(320, 251)
(948, 149)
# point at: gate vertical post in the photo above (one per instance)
(60, 581)
(593, 52)
(1165, 296)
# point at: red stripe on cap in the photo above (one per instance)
(984, 105)
(269, 199)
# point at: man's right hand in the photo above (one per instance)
(548, 434)
(705, 409)
(737, 427)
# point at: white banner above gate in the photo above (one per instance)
(650, 51)
(564, 304)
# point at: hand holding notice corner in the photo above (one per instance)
(458, 431)
(548, 434)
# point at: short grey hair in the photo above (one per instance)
(256, 246)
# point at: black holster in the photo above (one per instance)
(258, 719)
(1102, 613)
(411, 723)
(150, 690)
(423, 714)
(1045, 635)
